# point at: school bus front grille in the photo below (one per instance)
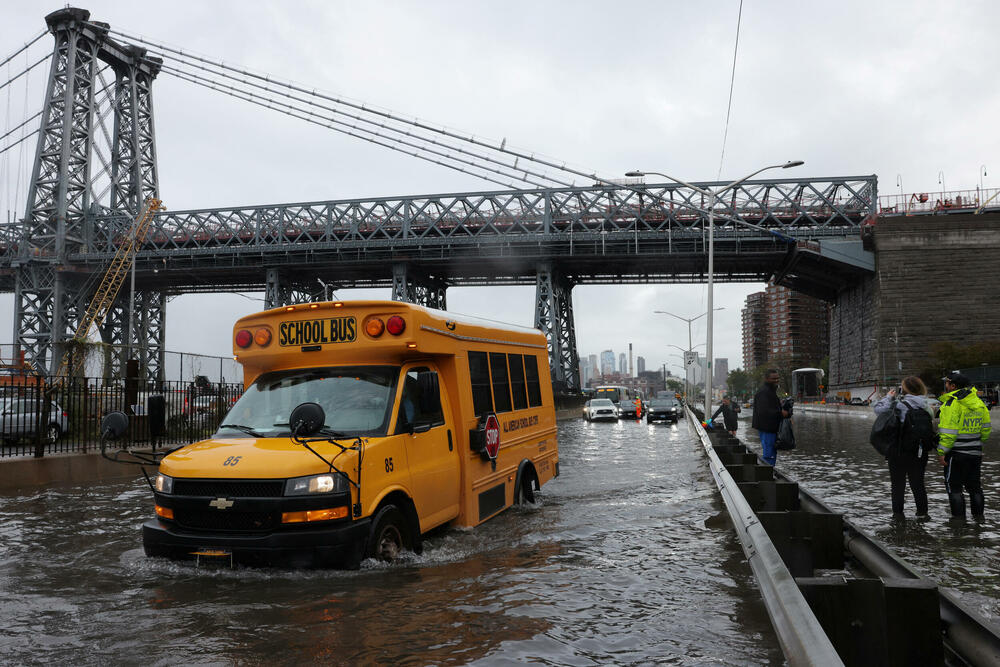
(222, 488)
(236, 521)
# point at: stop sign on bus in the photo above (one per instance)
(492, 436)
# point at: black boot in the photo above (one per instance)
(957, 502)
(977, 503)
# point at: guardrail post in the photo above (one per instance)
(879, 622)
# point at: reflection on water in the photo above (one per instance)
(622, 561)
(834, 461)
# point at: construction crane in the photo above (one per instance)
(110, 285)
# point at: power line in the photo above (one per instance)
(732, 80)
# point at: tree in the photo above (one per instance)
(740, 383)
(675, 385)
(946, 356)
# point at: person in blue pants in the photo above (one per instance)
(767, 416)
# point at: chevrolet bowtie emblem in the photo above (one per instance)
(221, 503)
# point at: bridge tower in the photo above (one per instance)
(554, 317)
(50, 295)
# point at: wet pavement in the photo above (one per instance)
(627, 559)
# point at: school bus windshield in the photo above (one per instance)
(357, 401)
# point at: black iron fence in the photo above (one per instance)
(39, 417)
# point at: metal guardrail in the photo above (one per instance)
(964, 634)
(802, 638)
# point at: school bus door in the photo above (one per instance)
(426, 424)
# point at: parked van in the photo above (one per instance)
(363, 426)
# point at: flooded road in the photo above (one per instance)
(627, 559)
(834, 462)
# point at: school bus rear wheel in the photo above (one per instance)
(390, 535)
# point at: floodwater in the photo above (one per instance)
(835, 463)
(628, 558)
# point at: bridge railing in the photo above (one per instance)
(835, 205)
(923, 203)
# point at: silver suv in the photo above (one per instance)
(19, 418)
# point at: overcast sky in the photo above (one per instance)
(898, 89)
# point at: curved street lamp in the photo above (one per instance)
(713, 196)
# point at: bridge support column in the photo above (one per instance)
(423, 290)
(279, 291)
(554, 317)
(149, 333)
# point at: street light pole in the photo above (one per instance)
(712, 198)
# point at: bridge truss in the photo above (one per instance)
(82, 203)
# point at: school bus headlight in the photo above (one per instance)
(164, 512)
(304, 486)
(314, 515)
(164, 484)
(262, 337)
(374, 327)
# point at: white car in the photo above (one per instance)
(600, 409)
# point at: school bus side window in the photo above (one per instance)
(479, 372)
(414, 407)
(518, 389)
(531, 374)
(501, 383)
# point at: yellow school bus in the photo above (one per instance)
(363, 425)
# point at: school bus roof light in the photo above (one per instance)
(374, 327)
(395, 325)
(243, 338)
(289, 309)
(262, 337)
(338, 304)
(313, 306)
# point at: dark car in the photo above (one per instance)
(663, 409)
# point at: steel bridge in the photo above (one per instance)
(801, 232)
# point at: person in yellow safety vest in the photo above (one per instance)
(637, 402)
(963, 428)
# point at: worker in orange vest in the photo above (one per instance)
(638, 407)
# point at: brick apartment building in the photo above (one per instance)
(780, 323)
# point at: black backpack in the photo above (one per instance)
(885, 431)
(917, 433)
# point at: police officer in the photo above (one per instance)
(963, 428)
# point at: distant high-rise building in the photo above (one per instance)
(607, 362)
(594, 368)
(754, 315)
(585, 373)
(720, 373)
(640, 365)
(782, 324)
(622, 363)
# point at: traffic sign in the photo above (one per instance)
(492, 436)
(690, 358)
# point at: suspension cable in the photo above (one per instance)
(23, 48)
(385, 114)
(15, 129)
(7, 148)
(317, 120)
(23, 72)
(377, 124)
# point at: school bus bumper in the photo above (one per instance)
(262, 535)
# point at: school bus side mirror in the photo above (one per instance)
(306, 419)
(114, 425)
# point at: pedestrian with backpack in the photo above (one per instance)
(915, 438)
